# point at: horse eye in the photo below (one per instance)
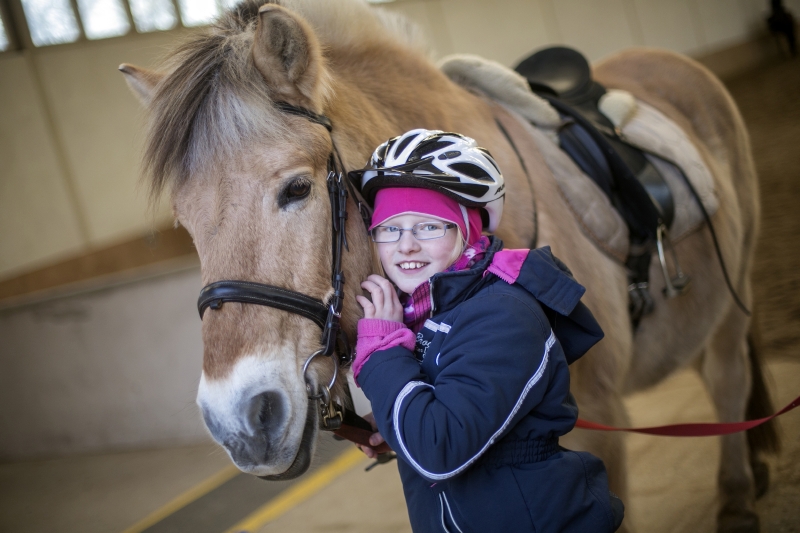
(296, 190)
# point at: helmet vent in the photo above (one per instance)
(402, 146)
(473, 171)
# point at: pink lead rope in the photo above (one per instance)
(692, 430)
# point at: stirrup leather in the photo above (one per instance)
(679, 284)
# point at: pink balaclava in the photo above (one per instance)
(391, 202)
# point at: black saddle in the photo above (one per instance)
(636, 189)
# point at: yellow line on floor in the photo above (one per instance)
(201, 489)
(299, 492)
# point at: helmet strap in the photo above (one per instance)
(466, 220)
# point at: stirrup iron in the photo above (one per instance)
(673, 286)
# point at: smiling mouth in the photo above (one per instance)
(412, 265)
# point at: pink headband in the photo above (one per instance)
(391, 202)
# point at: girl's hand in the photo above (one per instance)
(376, 439)
(384, 305)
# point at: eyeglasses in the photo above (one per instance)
(424, 231)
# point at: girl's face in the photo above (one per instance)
(410, 262)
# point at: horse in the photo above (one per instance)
(237, 133)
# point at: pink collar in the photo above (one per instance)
(417, 305)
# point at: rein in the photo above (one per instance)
(327, 315)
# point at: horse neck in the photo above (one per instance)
(377, 99)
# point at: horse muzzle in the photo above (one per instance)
(267, 427)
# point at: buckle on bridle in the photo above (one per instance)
(331, 414)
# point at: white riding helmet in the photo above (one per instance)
(449, 163)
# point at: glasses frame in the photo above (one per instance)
(413, 230)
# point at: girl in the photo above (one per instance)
(468, 376)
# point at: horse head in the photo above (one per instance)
(249, 183)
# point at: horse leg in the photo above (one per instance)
(727, 374)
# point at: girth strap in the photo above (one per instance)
(215, 294)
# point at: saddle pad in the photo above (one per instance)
(501, 84)
(667, 147)
(671, 151)
(589, 204)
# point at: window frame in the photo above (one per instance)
(19, 37)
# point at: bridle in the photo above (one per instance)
(326, 315)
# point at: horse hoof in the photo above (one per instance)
(737, 521)
(760, 477)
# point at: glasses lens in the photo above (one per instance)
(386, 234)
(429, 230)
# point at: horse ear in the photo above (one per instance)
(141, 81)
(289, 57)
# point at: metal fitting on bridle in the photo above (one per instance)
(331, 415)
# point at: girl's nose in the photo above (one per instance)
(408, 243)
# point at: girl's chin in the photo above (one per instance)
(407, 283)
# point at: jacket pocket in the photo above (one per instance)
(449, 524)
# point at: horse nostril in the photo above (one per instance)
(267, 411)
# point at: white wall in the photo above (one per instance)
(112, 368)
(70, 140)
(507, 30)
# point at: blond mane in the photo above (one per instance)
(334, 22)
(212, 101)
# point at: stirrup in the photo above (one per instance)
(673, 286)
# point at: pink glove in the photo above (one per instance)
(375, 334)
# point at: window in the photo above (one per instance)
(153, 15)
(53, 22)
(198, 12)
(103, 18)
(3, 37)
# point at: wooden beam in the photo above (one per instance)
(126, 256)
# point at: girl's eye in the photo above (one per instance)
(387, 229)
(296, 190)
(430, 228)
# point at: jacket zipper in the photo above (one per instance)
(447, 513)
(433, 304)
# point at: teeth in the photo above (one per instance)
(408, 265)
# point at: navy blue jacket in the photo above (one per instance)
(475, 414)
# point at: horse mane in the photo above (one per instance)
(213, 100)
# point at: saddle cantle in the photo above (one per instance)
(634, 186)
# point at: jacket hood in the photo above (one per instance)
(540, 273)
